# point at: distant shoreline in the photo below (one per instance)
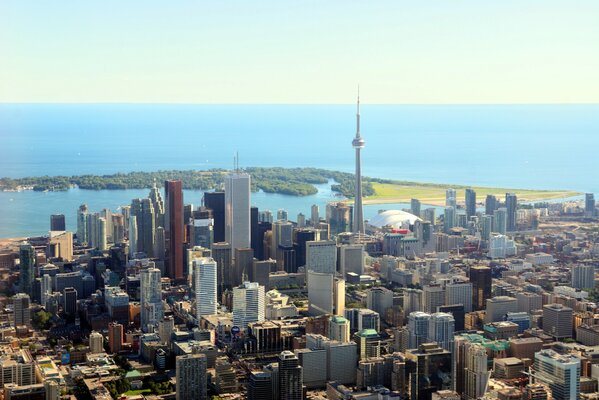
(298, 182)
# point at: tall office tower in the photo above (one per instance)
(457, 310)
(192, 379)
(302, 236)
(107, 215)
(143, 211)
(326, 294)
(415, 207)
(500, 220)
(418, 324)
(412, 301)
(449, 219)
(291, 381)
(255, 239)
(321, 256)
(96, 342)
(314, 217)
(301, 220)
(158, 206)
(118, 228)
(583, 277)
(46, 288)
(243, 261)
(205, 272)
(433, 296)
(339, 329)
(115, 337)
(150, 298)
(22, 313)
(557, 321)
(379, 299)
(27, 268)
(237, 210)
(351, 258)
(282, 215)
(248, 304)
(430, 369)
(429, 214)
(528, 301)
(362, 318)
(339, 217)
(480, 276)
(173, 219)
(282, 237)
(441, 328)
(221, 252)
(561, 372)
(132, 235)
(82, 224)
(589, 205)
(472, 373)
(459, 292)
(69, 301)
(368, 342)
(490, 204)
(511, 204)
(216, 202)
(358, 144)
(486, 227)
(160, 243)
(450, 198)
(102, 238)
(260, 386)
(470, 203)
(57, 222)
(266, 216)
(498, 307)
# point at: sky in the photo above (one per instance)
(299, 52)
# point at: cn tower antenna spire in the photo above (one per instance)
(358, 144)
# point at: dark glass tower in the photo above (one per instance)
(216, 202)
(470, 203)
(481, 286)
(174, 229)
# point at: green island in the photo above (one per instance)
(288, 181)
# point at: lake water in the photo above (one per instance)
(532, 146)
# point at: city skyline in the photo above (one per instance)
(463, 52)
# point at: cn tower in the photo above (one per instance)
(358, 143)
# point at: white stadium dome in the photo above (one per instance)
(396, 218)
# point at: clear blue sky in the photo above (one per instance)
(444, 51)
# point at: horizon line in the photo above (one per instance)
(293, 104)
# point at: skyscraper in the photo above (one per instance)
(82, 224)
(248, 304)
(314, 217)
(480, 276)
(158, 205)
(583, 276)
(358, 144)
(470, 203)
(216, 202)
(290, 377)
(450, 198)
(430, 369)
(500, 220)
(115, 337)
(21, 311)
(441, 328)
(490, 204)
(150, 298)
(174, 229)
(27, 268)
(191, 377)
(511, 203)
(589, 205)
(132, 235)
(557, 321)
(418, 325)
(57, 222)
(237, 210)
(205, 273)
(560, 372)
(415, 207)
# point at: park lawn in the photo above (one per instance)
(137, 392)
(435, 193)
